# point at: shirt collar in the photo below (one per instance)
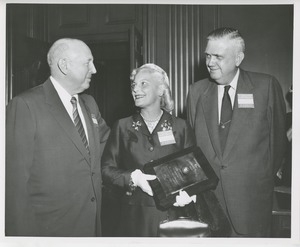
(63, 94)
(233, 83)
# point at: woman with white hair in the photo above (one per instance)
(148, 135)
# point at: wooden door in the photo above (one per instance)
(110, 86)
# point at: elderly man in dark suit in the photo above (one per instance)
(54, 142)
(239, 122)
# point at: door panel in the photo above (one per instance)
(29, 59)
(110, 86)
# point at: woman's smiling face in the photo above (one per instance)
(146, 89)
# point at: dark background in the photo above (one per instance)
(122, 37)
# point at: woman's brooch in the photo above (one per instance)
(136, 125)
(166, 125)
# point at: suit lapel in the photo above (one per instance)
(94, 141)
(240, 115)
(210, 108)
(59, 112)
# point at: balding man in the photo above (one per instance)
(54, 142)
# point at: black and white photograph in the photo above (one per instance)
(99, 97)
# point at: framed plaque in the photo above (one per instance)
(186, 170)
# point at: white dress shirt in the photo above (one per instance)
(231, 92)
(65, 98)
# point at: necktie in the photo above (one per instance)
(78, 123)
(226, 115)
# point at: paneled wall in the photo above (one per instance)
(26, 47)
(93, 22)
(173, 35)
(112, 32)
(176, 47)
(175, 40)
(176, 34)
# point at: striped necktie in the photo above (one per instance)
(78, 124)
(226, 115)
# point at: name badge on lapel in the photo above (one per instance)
(166, 137)
(245, 101)
(94, 119)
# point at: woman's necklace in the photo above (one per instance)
(152, 120)
(151, 123)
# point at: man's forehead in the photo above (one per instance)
(80, 51)
(220, 44)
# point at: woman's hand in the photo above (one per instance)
(183, 199)
(141, 180)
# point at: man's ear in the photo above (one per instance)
(62, 64)
(239, 58)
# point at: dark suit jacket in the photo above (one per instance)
(53, 187)
(253, 152)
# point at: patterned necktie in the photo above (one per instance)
(78, 124)
(226, 115)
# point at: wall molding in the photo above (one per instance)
(113, 15)
(184, 29)
(74, 21)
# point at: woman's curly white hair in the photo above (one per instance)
(167, 103)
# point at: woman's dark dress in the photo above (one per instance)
(129, 147)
